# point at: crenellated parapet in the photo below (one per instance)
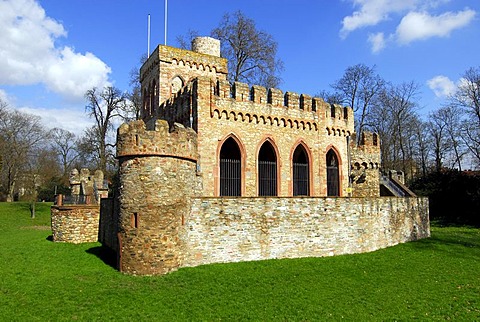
(365, 154)
(259, 105)
(133, 139)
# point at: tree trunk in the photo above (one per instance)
(11, 190)
(32, 209)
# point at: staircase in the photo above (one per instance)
(391, 186)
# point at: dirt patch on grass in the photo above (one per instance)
(36, 227)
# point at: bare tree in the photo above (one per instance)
(64, 146)
(423, 145)
(185, 41)
(445, 125)
(330, 97)
(104, 107)
(392, 116)
(251, 53)
(358, 88)
(20, 135)
(437, 131)
(37, 174)
(134, 96)
(467, 98)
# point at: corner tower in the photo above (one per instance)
(168, 69)
(157, 180)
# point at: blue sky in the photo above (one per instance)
(52, 51)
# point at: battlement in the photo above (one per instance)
(369, 142)
(241, 92)
(272, 106)
(133, 139)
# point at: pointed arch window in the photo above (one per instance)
(177, 84)
(301, 173)
(153, 89)
(146, 110)
(267, 170)
(230, 169)
(333, 177)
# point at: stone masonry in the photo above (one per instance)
(75, 223)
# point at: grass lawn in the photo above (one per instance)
(432, 279)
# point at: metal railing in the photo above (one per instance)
(267, 178)
(230, 177)
(397, 191)
(300, 179)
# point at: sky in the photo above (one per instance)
(53, 51)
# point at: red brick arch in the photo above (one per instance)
(310, 166)
(243, 156)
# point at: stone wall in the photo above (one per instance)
(75, 223)
(242, 229)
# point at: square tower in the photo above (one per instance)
(168, 69)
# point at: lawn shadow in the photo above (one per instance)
(50, 238)
(107, 255)
(464, 245)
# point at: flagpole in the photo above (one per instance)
(148, 37)
(166, 22)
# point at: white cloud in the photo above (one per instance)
(73, 120)
(421, 25)
(29, 55)
(4, 97)
(377, 41)
(416, 22)
(373, 12)
(442, 86)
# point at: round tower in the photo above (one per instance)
(206, 45)
(157, 179)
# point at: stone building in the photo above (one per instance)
(219, 172)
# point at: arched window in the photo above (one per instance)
(145, 103)
(177, 84)
(333, 177)
(267, 170)
(153, 90)
(230, 169)
(301, 174)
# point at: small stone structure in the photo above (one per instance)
(75, 218)
(86, 188)
(75, 223)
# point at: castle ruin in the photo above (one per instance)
(219, 172)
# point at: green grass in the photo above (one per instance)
(433, 279)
